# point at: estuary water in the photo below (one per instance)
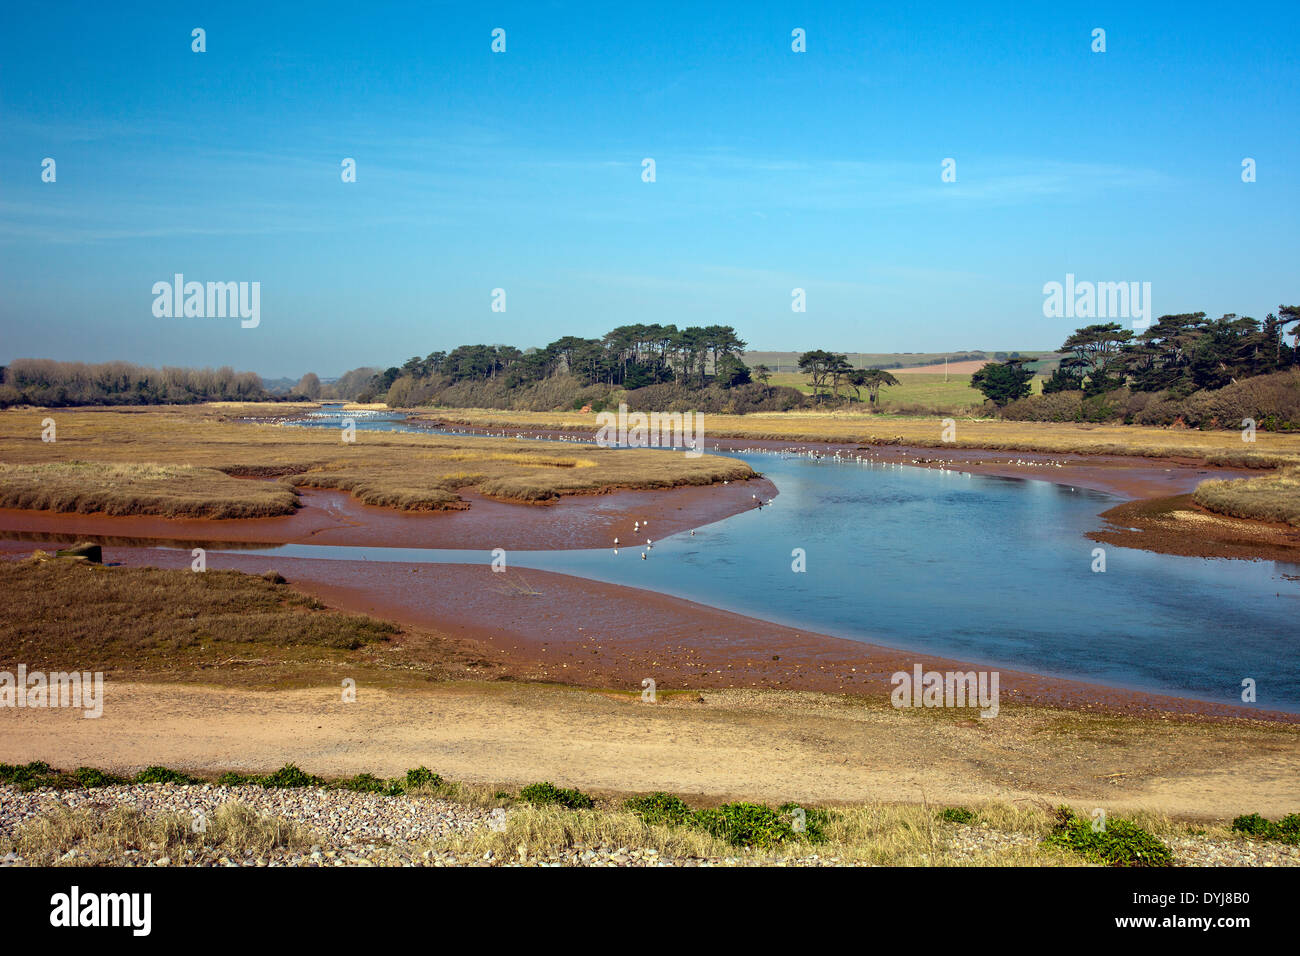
(995, 571)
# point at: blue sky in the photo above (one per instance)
(522, 171)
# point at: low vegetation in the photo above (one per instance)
(200, 464)
(108, 618)
(1286, 830)
(1267, 498)
(170, 491)
(40, 775)
(419, 781)
(547, 794)
(958, 815)
(1116, 842)
(234, 830)
(543, 817)
(1269, 450)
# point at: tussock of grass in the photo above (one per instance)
(233, 829)
(541, 828)
(483, 796)
(876, 834)
(1267, 498)
(170, 491)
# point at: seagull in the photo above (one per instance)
(616, 540)
(642, 555)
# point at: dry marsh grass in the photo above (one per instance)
(61, 613)
(234, 829)
(1267, 498)
(140, 489)
(874, 834)
(178, 461)
(1270, 449)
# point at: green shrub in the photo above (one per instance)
(543, 794)
(815, 821)
(289, 776)
(422, 777)
(90, 777)
(156, 774)
(1252, 824)
(1286, 830)
(1121, 843)
(232, 779)
(660, 808)
(31, 776)
(746, 824)
(369, 783)
(38, 773)
(956, 815)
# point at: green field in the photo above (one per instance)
(917, 392)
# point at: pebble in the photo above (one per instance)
(360, 830)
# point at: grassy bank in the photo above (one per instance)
(61, 615)
(856, 427)
(172, 491)
(187, 462)
(1267, 498)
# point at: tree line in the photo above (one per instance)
(630, 356)
(54, 384)
(1178, 354)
